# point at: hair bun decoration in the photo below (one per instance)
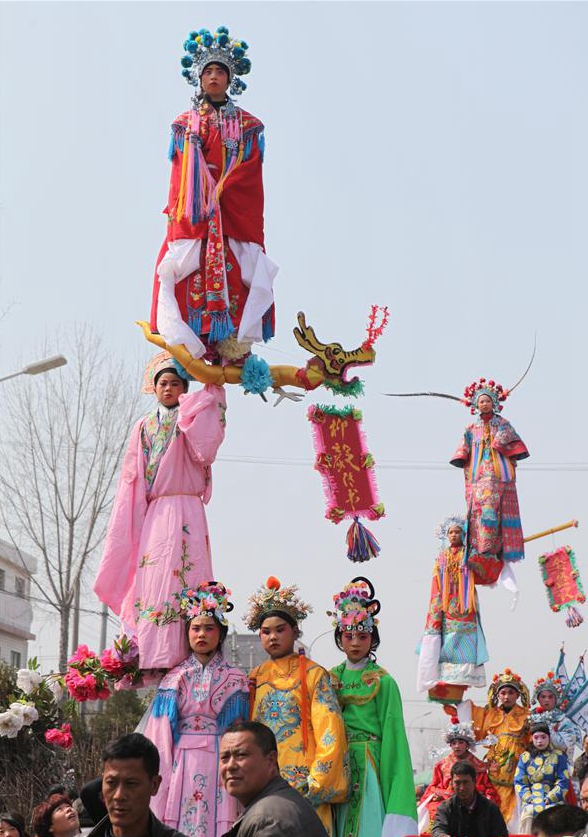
(209, 598)
(356, 607)
(204, 47)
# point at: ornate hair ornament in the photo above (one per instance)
(549, 683)
(210, 598)
(273, 597)
(507, 678)
(460, 729)
(356, 607)
(443, 528)
(204, 48)
(159, 362)
(494, 391)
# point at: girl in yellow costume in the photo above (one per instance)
(508, 721)
(293, 696)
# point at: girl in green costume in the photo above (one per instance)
(382, 802)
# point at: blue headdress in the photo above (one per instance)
(444, 527)
(203, 48)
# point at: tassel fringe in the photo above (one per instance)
(361, 544)
(573, 617)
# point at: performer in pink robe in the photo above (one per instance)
(195, 703)
(157, 541)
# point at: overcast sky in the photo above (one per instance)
(426, 156)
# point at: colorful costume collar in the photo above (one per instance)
(273, 597)
(355, 607)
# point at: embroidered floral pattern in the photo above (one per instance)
(166, 612)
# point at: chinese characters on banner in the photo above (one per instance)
(346, 466)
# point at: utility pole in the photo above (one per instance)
(75, 634)
(103, 632)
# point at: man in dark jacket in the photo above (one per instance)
(467, 813)
(130, 778)
(249, 770)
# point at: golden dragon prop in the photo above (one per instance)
(327, 367)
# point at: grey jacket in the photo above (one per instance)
(278, 811)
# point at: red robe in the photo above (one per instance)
(241, 208)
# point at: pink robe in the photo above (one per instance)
(193, 707)
(157, 541)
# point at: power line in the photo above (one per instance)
(399, 464)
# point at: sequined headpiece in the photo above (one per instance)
(210, 598)
(507, 678)
(159, 362)
(204, 48)
(549, 683)
(273, 597)
(456, 729)
(355, 607)
(483, 387)
(443, 528)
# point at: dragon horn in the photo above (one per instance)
(417, 394)
(524, 375)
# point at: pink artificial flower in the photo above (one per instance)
(111, 663)
(103, 692)
(82, 653)
(81, 687)
(61, 737)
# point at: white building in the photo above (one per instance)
(16, 612)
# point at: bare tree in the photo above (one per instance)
(62, 449)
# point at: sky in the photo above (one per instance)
(426, 156)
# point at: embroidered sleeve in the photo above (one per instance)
(328, 779)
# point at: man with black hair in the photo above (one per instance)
(130, 778)
(249, 771)
(560, 821)
(467, 813)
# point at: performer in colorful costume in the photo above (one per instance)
(460, 737)
(382, 788)
(488, 454)
(542, 777)
(547, 700)
(453, 648)
(195, 702)
(507, 720)
(157, 540)
(213, 282)
(294, 697)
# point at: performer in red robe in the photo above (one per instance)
(213, 287)
(460, 737)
